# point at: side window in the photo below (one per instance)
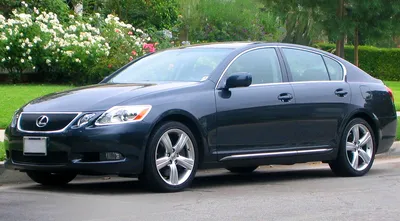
(262, 64)
(306, 66)
(334, 68)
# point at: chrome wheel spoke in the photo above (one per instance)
(354, 163)
(173, 177)
(185, 162)
(175, 157)
(351, 147)
(356, 134)
(183, 138)
(166, 140)
(162, 162)
(364, 156)
(365, 139)
(359, 147)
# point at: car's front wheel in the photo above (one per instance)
(171, 158)
(357, 150)
(51, 179)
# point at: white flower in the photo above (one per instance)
(90, 19)
(33, 67)
(97, 15)
(28, 51)
(48, 61)
(36, 10)
(77, 60)
(3, 60)
(71, 16)
(22, 60)
(7, 48)
(87, 52)
(30, 58)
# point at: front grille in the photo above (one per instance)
(52, 158)
(56, 121)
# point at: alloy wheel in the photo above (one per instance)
(359, 147)
(175, 157)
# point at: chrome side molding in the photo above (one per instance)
(269, 154)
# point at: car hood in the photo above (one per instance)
(96, 97)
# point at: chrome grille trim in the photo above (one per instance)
(78, 114)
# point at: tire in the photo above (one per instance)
(242, 169)
(176, 168)
(345, 164)
(51, 179)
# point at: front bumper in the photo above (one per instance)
(82, 150)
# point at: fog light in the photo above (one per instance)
(113, 156)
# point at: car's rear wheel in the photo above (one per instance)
(51, 179)
(171, 158)
(242, 169)
(357, 150)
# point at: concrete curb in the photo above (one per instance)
(15, 177)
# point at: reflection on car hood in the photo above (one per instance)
(96, 97)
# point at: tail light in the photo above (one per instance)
(390, 93)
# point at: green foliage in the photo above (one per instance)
(2, 152)
(375, 19)
(381, 63)
(211, 20)
(160, 14)
(58, 7)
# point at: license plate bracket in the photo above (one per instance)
(35, 146)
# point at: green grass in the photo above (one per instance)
(2, 152)
(398, 129)
(395, 86)
(13, 97)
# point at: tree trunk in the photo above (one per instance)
(340, 41)
(356, 43)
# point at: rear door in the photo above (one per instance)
(322, 97)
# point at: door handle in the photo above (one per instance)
(285, 97)
(340, 92)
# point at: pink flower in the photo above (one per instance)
(117, 30)
(130, 33)
(150, 47)
(134, 53)
(110, 66)
(130, 58)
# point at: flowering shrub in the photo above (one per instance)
(81, 50)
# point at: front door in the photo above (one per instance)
(255, 119)
(322, 97)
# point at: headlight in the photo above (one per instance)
(85, 119)
(15, 119)
(123, 114)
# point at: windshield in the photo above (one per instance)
(190, 64)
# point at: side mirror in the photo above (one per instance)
(241, 79)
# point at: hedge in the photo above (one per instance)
(382, 63)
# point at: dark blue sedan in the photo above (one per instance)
(230, 105)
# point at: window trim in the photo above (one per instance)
(249, 50)
(318, 53)
(334, 60)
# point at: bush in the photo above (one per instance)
(378, 62)
(210, 20)
(82, 50)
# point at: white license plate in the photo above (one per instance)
(35, 146)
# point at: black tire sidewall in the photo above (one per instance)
(342, 157)
(151, 175)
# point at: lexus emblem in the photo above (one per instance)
(42, 121)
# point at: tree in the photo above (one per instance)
(340, 19)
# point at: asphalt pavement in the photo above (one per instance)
(299, 192)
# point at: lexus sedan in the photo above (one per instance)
(235, 105)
